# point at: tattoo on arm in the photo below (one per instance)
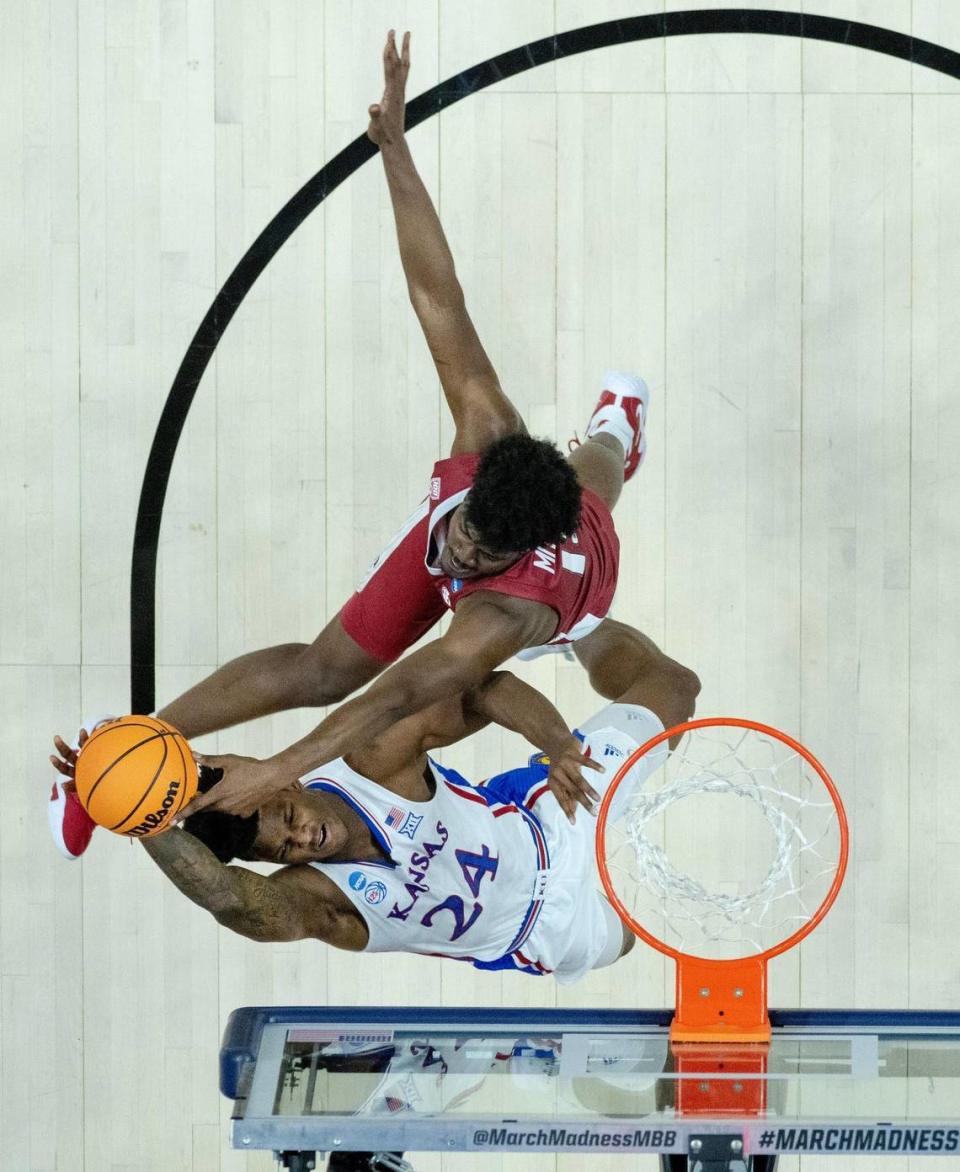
(239, 899)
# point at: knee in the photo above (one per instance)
(679, 689)
(687, 685)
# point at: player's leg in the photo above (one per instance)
(649, 692)
(614, 445)
(627, 667)
(620, 940)
(598, 463)
(274, 679)
(596, 937)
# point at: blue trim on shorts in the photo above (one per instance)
(455, 778)
(514, 785)
(508, 963)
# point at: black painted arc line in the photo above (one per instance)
(353, 156)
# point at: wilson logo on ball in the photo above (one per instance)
(134, 775)
(152, 821)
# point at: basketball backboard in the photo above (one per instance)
(342, 1079)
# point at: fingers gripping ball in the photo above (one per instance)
(134, 775)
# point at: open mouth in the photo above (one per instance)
(321, 838)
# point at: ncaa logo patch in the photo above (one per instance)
(376, 892)
(357, 880)
(435, 488)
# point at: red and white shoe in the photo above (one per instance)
(70, 824)
(621, 411)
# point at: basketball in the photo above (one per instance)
(134, 774)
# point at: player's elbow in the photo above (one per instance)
(445, 675)
(442, 295)
(251, 908)
(461, 675)
(479, 697)
(248, 922)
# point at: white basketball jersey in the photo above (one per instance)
(467, 874)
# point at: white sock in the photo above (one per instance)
(613, 421)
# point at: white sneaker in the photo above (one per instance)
(622, 407)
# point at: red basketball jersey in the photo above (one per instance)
(576, 578)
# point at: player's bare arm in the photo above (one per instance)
(394, 759)
(500, 699)
(481, 411)
(295, 903)
(487, 629)
(509, 702)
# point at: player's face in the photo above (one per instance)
(299, 826)
(465, 556)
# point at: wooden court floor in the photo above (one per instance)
(766, 228)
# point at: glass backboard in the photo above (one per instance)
(508, 1080)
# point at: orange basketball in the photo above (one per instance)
(134, 774)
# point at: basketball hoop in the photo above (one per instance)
(746, 782)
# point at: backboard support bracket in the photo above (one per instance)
(721, 1000)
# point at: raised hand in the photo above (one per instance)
(245, 785)
(566, 780)
(387, 115)
(65, 759)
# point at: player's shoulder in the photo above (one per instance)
(490, 616)
(304, 878)
(323, 911)
(453, 474)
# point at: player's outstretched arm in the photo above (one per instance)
(481, 411)
(506, 700)
(287, 905)
(486, 630)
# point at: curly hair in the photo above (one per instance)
(228, 835)
(524, 494)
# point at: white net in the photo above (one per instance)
(727, 849)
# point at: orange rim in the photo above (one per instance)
(600, 844)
